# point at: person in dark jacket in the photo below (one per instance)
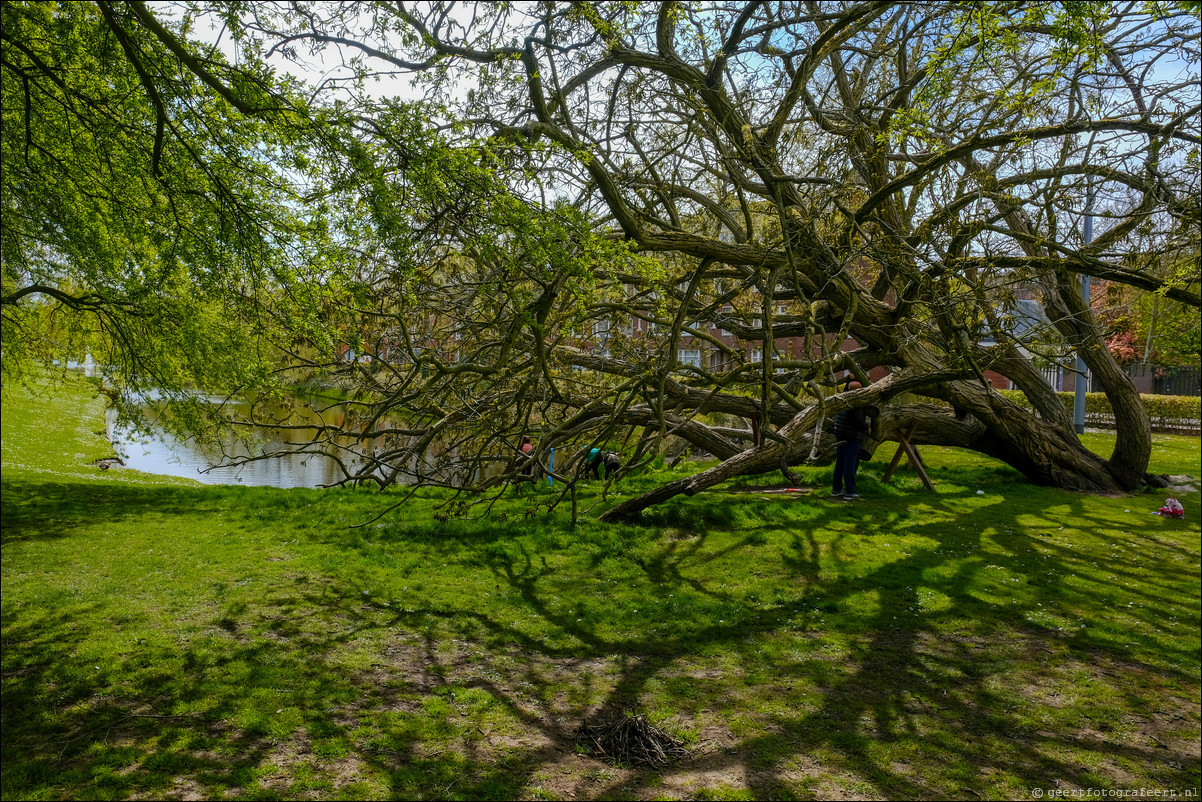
(851, 427)
(598, 458)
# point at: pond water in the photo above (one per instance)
(299, 462)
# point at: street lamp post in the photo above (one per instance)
(1081, 383)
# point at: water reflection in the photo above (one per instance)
(298, 462)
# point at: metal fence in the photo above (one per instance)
(1054, 376)
(1149, 380)
(1185, 426)
(1160, 380)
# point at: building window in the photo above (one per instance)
(689, 356)
(726, 310)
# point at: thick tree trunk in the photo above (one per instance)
(1045, 452)
(1133, 442)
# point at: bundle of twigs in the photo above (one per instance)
(627, 739)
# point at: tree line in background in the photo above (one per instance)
(610, 223)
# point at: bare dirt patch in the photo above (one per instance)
(547, 703)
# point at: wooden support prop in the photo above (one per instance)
(904, 447)
(901, 438)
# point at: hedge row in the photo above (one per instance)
(1169, 413)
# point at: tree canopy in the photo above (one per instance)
(152, 215)
(631, 224)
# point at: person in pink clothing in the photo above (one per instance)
(527, 449)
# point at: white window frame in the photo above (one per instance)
(689, 356)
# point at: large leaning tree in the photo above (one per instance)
(797, 173)
(635, 224)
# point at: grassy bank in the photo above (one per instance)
(167, 640)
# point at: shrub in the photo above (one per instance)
(1169, 413)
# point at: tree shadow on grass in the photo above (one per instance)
(965, 704)
(913, 680)
(51, 510)
(110, 730)
(909, 665)
(935, 682)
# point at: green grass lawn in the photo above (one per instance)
(163, 639)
